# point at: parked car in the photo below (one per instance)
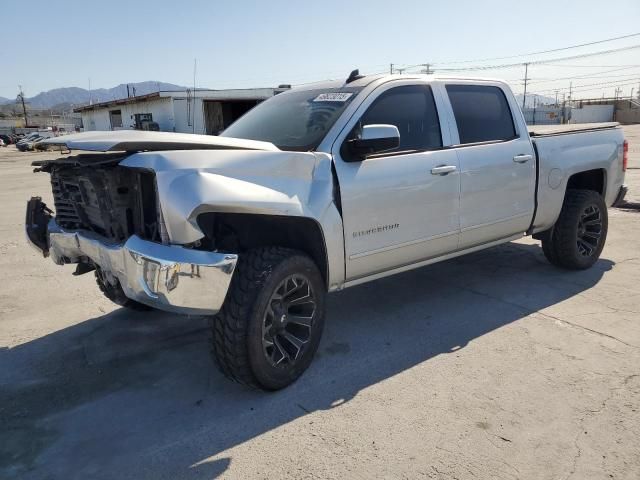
(318, 189)
(28, 145)
(7, 139)
(2, 144)
(28, 138)
(30, 141)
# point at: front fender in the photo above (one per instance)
(197, 181)
(186, 196)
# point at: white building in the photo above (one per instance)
(207, 112)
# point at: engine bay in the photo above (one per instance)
(100, 196)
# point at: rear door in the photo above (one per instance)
(497, 163)
(399, 207)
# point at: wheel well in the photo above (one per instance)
(588, 180)
(239, 232)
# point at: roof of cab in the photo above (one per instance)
(326, 84)
(368, 79)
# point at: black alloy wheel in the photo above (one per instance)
(589, 231)
(288, 321)
(576, 240)
(270, 326)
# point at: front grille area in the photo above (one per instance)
(112, 201)
(66, 214)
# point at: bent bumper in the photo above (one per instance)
(166, 277)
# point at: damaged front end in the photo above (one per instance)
(36, 225)
(94, 193)
(107, 216)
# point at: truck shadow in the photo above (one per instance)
(135, 395)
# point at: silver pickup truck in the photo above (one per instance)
(320, 188)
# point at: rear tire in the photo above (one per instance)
(116, 294)
(576, 240)
(269, 328)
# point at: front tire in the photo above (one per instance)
(116, 294)
(576, 240)
(271, 323)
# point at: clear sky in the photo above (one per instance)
(245, 44)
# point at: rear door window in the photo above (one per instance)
(482, 113)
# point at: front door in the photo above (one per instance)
(401, 206)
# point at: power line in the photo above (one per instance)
(600, 88)
(588, 66)
(601, 84)
(593, 75)
(545, 51)
(540, 62)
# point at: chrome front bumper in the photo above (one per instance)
(167, 277)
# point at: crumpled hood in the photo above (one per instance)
(136, 140)
(241, 181)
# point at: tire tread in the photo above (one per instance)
(117, 296)
(230, 326)
(558, 244)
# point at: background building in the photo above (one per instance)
(203, 111)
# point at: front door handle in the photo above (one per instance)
(522, 158)
(443, 169)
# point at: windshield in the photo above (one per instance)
(294, 120)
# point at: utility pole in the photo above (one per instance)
(24, 107)
(400, 70)
(90, 99)
(618, 92)
(391, 68)
(570, 91)
(195, 63)
(526, 79)
(556, 98)
(427, 69)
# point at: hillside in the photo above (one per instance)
(80, 96)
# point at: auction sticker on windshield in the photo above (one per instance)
(333, 97)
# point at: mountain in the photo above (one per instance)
(4, 100)
(80, 96)
(539, 100)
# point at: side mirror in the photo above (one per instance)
(374, 139)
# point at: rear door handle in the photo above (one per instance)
(522, 158)
(443, 169)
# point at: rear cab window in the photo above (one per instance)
(482, 113)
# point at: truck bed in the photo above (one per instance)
(547, 130)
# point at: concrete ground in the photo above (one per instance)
(494, 365)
